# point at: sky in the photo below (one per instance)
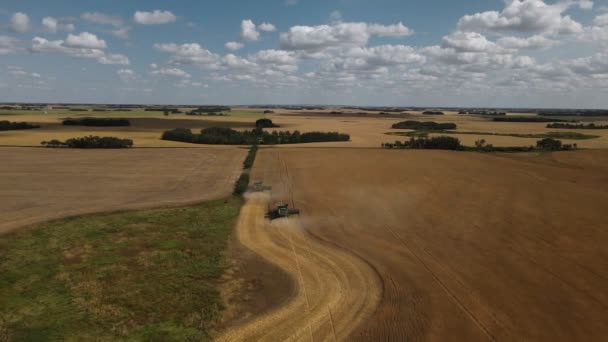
(476, 53)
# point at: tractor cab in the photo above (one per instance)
(281, 210)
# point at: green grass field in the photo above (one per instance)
(145, 275)
(554, 135)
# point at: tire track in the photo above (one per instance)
(335, 290)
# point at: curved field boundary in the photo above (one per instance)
(335, 291)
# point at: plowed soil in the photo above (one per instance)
(463, 246)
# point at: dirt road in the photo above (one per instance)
(468, 246)
(335, 291)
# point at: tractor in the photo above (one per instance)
(259, 187)
(281, 210)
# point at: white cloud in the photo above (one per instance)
(601, 20)
(525, 16)
(173, 72)
(267, 27)
(42, 45)
(396, 30)
(85, 40)
(52, 25)
(234, 46)
(533, 42)
(249, 32)
(20, 22)
(470, 42)
(7, 45)
(339, 34)
(155, 17)
(117, 59)
(276, 57)
(126, 75)
(102, 19)
(191, 53)
(291, 2)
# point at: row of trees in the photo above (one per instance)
(99, 122)
(450, 143)
(90, 142)
(10, 126)
(424, 125)
(432, 112)
(228, 136)
(576, 126)
(482, 112)
(526, 119)
(432, 143)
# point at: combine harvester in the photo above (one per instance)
(281, 210)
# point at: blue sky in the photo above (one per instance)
(513, 53)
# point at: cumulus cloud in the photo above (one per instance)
(276, 57)
(20, 22)
(52, 25)
(76, 50)
(173, 72)
(396, 30)
(533, 42)
(249, 32)
(156, 17)
(531, 16)
(85, 40)
(338, 34)
(469, 41)
(191, 53)
(234, 46)
(267, 27)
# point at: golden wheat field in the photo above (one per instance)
(458, 246)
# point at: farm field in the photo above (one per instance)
(42, 184)
(138, 275)
(366, 131)
(466, 246)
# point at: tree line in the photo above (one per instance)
(228, 136)
(576, 126)
(424, 125)
(526, 119)
(10, 126)
(89, 142)
(450, 143)
(99, 122)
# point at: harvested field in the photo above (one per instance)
(367, 129)
(334, 290)
(466, 246)
(42, 184)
